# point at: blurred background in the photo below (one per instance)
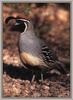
(51, 22)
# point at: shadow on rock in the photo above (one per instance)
(16, 72)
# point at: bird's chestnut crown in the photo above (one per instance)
(17, 24)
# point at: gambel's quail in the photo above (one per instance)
(34, 52)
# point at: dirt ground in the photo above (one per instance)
(52, 23)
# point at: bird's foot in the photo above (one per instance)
(33, 78)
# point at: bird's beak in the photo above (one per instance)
(9, 18)
(10, 22)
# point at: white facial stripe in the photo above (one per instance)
(25, 26)
(24, 20)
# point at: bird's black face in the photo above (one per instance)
(16, 24)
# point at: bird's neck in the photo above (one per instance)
(30, 27)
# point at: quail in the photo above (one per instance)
(34, 52)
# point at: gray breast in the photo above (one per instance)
(29, 43)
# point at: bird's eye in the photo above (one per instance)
(17, 23)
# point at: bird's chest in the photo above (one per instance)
(29, 45)
(29, 51)
(29, 59)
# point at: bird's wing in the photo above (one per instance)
(49, 56)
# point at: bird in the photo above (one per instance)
(34, 52)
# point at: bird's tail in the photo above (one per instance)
(61, 67)
(57, 67)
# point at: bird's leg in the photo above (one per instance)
(42, 77)
(33, 78)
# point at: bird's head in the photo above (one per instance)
(18, 24)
